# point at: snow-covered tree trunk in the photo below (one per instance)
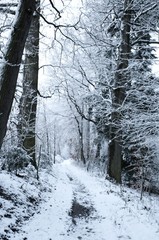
(119, 93)
(81, 142)
(12, 61)
(88, 133)
(28, 102)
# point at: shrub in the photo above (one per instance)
(15, 159)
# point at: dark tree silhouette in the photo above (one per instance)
(12, 61)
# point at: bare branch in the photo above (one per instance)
(49, 96)
(7, 10)
(78, 109)
(149, 8)
(53, 6)
(8, 5)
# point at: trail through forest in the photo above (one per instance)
(82, 206)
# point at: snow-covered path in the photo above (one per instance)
(86, 207)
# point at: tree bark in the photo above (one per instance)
(12, 61)
(81, 138)
(28, 101)
(88, 133)
(119, 93)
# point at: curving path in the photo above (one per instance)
(86, 207)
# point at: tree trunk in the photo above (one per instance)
(12, 61)
(81, 143)
(28, 102)
(54, 152)
(88, 133)
(119, 93)
(97, 156)
(82, 137)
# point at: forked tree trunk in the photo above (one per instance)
(119, 93)
(12, 61)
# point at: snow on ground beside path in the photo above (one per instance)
(123, 215)
(20, 198)
(83, 206)
(51, 222)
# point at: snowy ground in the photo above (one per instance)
(83, 206)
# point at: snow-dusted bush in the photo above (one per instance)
(140, 132)
(14, 159)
